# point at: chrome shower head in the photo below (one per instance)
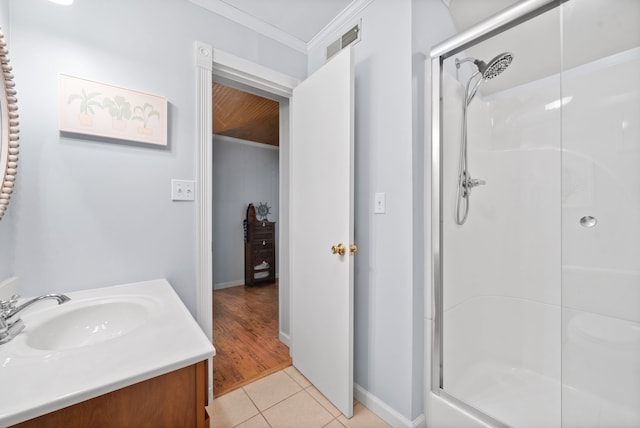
(486, 71)
(496, 66)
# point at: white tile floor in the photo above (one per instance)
(281, 400)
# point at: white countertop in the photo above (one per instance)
(37, 381)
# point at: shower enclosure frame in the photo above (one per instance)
(496, 24)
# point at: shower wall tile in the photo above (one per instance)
(601, 143)
(601, 264)
(502, 267)
(509, 331)
(580, 409)
(509, 245)
(614, 415)
(600, 367)
(609, 292)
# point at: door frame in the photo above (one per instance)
(265, 81)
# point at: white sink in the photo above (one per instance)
(102, 340)
(88, 324)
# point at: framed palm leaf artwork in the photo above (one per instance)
(103, 110)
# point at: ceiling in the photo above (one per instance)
(302, 19)
(245, 116)
(292, 22)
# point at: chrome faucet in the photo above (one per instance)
(10, 323)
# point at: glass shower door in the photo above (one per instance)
(600, 212)
(501, 268)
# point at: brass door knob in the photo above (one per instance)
(353, 248)
(338, 249)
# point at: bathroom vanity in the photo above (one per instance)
(128, 355)
(175, 399)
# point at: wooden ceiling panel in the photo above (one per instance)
(246, 116)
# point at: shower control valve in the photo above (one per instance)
(470, 183)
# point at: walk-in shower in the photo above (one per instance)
(536, 284)
(485, 72)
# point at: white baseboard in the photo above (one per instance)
(419, 422)
(384, 411)
(285, 338)
(222, 285)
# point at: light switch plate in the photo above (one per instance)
(183, 190)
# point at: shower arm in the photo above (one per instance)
(470, 96)
(461, 61)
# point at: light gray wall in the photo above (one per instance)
(390, 280)
(4, 20)
(6, 224)
(93, 213)
(243, 173)
(6, 243)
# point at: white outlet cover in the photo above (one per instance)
(183, 190)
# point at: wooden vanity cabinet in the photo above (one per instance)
(260, 253)
(175, 399)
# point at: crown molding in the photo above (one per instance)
(225, 10)
(221, 8)
(345, 17)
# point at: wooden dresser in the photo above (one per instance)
(260, 253)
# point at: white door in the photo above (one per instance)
(321, 218)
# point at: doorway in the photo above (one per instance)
(245, 171)
(230, 68)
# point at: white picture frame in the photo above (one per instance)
(103, 110)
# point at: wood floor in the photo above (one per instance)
(245, 332)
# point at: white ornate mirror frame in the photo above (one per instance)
(8, 128)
